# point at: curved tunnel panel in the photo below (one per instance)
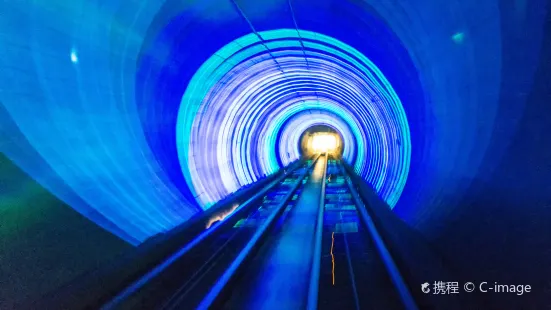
(106, 97)
(263, 78)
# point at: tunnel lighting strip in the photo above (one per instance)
(238, 106)
(229, 128)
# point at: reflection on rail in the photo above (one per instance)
(220, 216)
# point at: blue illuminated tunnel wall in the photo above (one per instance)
(139, 115)
(234, 107)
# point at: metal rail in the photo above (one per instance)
(215, 291)
(315, 272)
(158, 269)
(388, 261)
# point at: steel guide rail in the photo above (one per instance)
(353, 274)
(396, 283)
(138, 285)
(316, 262)
(213, 296)
(391, 267)
(217, 285)
(337, 286)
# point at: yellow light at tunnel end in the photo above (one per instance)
(324, 142)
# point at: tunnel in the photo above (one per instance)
(129, 129)
(321, 139)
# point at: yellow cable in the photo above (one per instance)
(332, 256)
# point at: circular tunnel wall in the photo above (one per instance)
(160, 167)
(240, 99)
(99, 103)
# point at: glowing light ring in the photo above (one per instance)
(235, 105)
(300, 122)
(334, 114)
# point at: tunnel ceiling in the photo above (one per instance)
(140, 115)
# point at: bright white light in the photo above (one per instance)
(74, 57)
(324, 143)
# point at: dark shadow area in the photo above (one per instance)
(500, 236)
(502, 233)
(43, 242)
